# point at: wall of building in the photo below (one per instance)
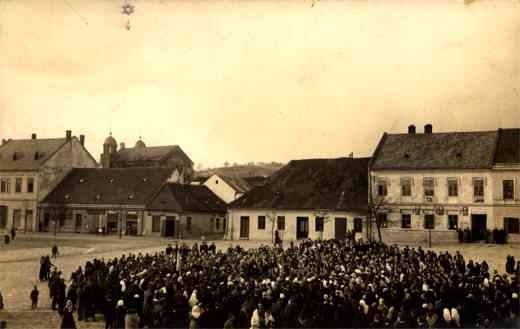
(289, 234)
(218, 186)
(72, 154)
(22, 201)
(202, 224)
(450, 205)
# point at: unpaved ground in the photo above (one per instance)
(19, 266)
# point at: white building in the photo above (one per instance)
(227, 188)
(442, 182)
(316, 198)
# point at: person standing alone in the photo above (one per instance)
(34, 298)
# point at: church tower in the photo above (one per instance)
(109, 148)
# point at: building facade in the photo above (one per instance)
(437, 183)
(29, 169)
(227, 188)
(307, 199)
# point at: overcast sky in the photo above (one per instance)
(257, 80)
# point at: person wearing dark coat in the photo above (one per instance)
(510, 264)
(34, 298)
(67, 322)
(119, 315)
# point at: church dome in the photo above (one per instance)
(110, 141)
(140, 143)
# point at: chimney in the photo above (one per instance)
(3, 141)
(68, 135)
(411, 130)
(33, 136)
(351, 155)
(428, 129)
(82, 140)
(122, 146)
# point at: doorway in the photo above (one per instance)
(302, 228)
(340, 228)
(169, 227)
(244, 227)
(478, 227)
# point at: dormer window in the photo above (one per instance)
(67, 196)
(82, 180)
(110, 180)
(130, 196)
(407, 156)
(216, 181)
(145, 179)
(459, 155)
(98, 197)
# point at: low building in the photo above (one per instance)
(227, 188)
(315, 198)
(111, 199)
(184, 211)
(29, 170)
(436, 183)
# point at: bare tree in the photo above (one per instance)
(326, 218)
(376, 204)
(272, 220)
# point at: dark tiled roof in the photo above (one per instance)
(457, 150)
(508, 148)
(187, 198)
(331, 184)
(21, 154)
(151, 154)
(238, 184)
(113, 186)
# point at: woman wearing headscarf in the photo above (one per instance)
(67, 322)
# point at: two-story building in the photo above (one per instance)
(314, 198)
(29, 169)
(436, 183)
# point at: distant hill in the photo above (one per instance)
(249, 170)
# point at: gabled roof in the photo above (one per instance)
(187, 198)
(455, 150)
(28, 154)
(508, 148)
(238, 184)
(326, 184)
(98, 186)
(150, 154)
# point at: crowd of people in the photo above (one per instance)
(325, 284)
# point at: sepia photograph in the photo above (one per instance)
(259, 164)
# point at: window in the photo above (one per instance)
(188, 223)
(429, 222)
(261, 222)
(30, 185)
(406, 221)
(217, 225)
(429, 186)
(5, 185)
(358, 225)
(382, 189)
(382, 219)
(453, 222)
(478, 189)
(453, 187)
(509, 189)
(512, 225)
(156, 224)
(406, 186)
(319, 224)
(17, 217)
(281, 223)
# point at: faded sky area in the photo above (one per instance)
(257, 80)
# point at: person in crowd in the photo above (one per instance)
(67, 321)
(325, 284)
(34, 297)
(55, 251)
(510, 264)
(1, 301)
(13, 233)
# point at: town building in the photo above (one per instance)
(132, 201)
(428, 185)
(29, 169)
(171, 156)
(314, 198)
(227, 188)
(186, 211)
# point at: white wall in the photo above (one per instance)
(290, 223)
(222, 189)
